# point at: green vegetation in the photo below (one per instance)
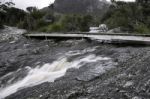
(33, 19)
(141, 28)
(132, 16)
(67, 23)
(36, 20)
(10, 15)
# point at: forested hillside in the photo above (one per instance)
(131, 16)
(79, 15)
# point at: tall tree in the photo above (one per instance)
(113, 1)
(3, 7)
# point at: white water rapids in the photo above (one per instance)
(50, 71)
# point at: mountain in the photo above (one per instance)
(79, 6)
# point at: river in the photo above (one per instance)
(71, 69)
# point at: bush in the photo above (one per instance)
(141, 28)
(33, 20)
(76, 22)
(26, 24)
(55, 28)
(119, 18)
(42, 29)
(69, 22)
(21, 25)
(41, 23)
(85, 23)
(127, 15)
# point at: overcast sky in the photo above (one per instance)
(38, 3)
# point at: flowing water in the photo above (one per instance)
(79, 56)
(71, 69)
(51, 71)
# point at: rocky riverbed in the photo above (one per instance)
(71, 69)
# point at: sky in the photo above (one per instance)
(38, 3)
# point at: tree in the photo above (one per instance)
(131, 16)
(142, 1)
(70, 22)
(14, 16)
(51, 6)
(85, 23)
(113, 1)
(30, 9)
(3, 7)
(33, 19)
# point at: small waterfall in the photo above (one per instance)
(49, 72)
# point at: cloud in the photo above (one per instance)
(23, 4)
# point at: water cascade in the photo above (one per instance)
(51, 71)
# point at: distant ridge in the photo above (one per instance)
(79, 6)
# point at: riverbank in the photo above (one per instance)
(103, 71)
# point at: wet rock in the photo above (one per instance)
(118, 30)
(11, 33)
(128, 84)
(93, 71)
(128, 79)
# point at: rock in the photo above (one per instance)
(94, 80)
(136, 97)
(118, 30)
(128, 84)
(115, 30)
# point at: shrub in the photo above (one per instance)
(42, 29)
(76, 22)
(41, 23)
(141, 28)
(27, 24)
(69, 22)
(21, 25)
(85, 23)
(55, 28)
(126, 15)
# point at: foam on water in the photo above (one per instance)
(48, 73)
(79, 52)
